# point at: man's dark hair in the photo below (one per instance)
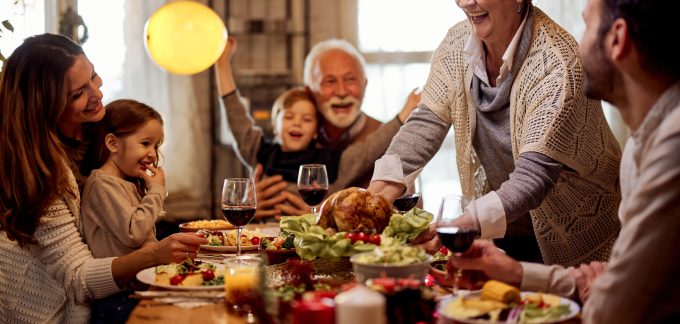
(652, 25)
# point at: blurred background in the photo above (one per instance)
(396, 37)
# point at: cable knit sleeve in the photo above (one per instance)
(68, 260)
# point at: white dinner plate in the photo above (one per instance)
(228, 248)
(574, 309)
(148, 275)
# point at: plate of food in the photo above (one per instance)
(189, 275)
(220, 241)
(498, 302)
(212, 225)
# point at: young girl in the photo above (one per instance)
(121, 202)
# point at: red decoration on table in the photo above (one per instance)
(313, 309)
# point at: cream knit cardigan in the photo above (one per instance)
(549, 114)
(53, 281)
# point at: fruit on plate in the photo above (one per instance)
(353, 209)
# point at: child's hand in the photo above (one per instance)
(158, 175)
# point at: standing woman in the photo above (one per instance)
(47, 273)
(528, 142)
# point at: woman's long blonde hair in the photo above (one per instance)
(33, 95)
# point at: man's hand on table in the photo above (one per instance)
(585, 276)
(267, 193)
(299, 206)
(484, 261)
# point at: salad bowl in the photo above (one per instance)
(365, 271)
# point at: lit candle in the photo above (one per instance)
(360, 305)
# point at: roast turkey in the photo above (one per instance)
(353, 209)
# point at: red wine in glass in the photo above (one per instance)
(238, 216)
(407, 202)
(457, 239)
(313, 196)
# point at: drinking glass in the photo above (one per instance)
(411, 198)
(313, 184)
(240, 277)
(238, 204)
(457, 226)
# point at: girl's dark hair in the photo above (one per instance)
(33, 96)
(123, 118)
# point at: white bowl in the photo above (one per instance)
(365, 271)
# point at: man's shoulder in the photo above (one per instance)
(370, 126)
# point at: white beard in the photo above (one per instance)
(341, 120)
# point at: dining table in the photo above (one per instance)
(151, 311)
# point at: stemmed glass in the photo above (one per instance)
(238, 204)
(457, 226)
(313, 184)
(410, 199)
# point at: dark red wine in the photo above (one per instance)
(313, 196)
(457, 239)
(238, 216)
(407, 203)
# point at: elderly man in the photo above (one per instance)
(626, 62)
(334, 76)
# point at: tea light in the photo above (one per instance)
(360, 305)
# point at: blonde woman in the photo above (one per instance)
(528, 142)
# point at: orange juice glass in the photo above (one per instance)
(241, 274)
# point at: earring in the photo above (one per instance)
(519, 9)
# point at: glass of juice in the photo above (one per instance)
(240, 277)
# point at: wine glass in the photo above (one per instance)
(313, 184)
(238, 204)
(457, 226)
(411, 198)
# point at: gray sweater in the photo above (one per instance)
(116, 219)
(533, 176)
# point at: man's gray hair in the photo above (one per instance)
(323, 47)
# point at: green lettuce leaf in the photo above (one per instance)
(312, 241)
(406, 227)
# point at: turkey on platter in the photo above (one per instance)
(353, 209)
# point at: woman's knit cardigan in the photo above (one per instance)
(549, 114)
(53, 281)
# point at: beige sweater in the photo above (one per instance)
(55, 280)
(642, 284)
(116, 219)
(549, 114)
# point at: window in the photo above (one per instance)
(105, 47)
(397, 38)
(28, 19)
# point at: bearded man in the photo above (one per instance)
(335, 79)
